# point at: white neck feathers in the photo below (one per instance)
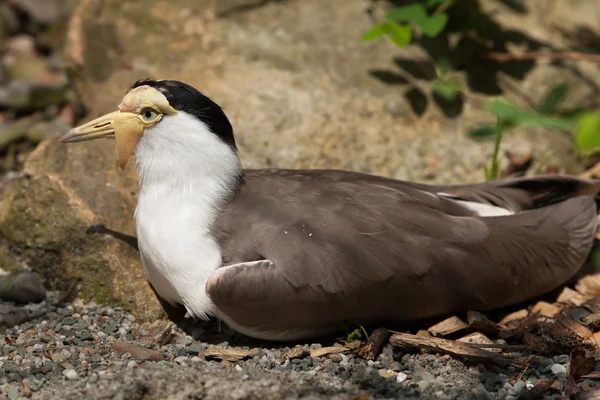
(186, 172)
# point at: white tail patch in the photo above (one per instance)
(483, 210)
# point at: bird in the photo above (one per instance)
(291, 254)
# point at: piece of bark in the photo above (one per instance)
(296, 353)
(479, 322)
(565, 334)
(589, 285)
(596, 339)
(594, 375)
(375, 343)
(452, 348)
(423, 333)
(448, 326)
(353, 345)
(137, 352)
(593, 305)
(542, 386)
(323, 351)
(158, 332)
(478, 338)
(514, 318)
(546, 309)
(569, 323)
(593, 172)
(230, 354)
(582, 363)
(572, 297)
(534, 341)
(592, 321)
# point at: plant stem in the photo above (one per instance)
(494, 169)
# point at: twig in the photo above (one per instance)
(535, 55)
(377, 340)
(452, 348)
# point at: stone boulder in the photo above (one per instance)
(49, 218)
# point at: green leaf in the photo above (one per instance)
(433, 25)
(504, 110)
(447, 88)
(554, 123)
(587, 135)
(573, 113)
(596, 258)
(553, 99)
(400, 35)
(412, 12)
(375, 32)
(444, 67)
(510, 113)
(486, 132)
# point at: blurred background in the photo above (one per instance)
(421, 90)
(434, 91)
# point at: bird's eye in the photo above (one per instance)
(149, 115)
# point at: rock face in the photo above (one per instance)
(297, 84)
(47, 218)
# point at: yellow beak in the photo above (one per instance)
(125, 127)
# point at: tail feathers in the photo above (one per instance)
(527, 193)
(536, 251)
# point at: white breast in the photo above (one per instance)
(177, 250)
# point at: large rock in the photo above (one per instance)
(47, 220)
(295, 80)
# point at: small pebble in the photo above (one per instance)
(401, 377)
(70, 374)
(559, 369)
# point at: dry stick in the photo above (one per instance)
(535, 55)
(456, 349)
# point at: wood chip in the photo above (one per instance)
(137, 352)
(477, 338)
(353, 345)
(423, 333)
(546, 309)
(158, 332)
(227, 353)
(296, 353)
(596, 339)
(479, 322)
(375, 343)
(589, 285)
(448, 326)
(593, 172)
(514, 318)
(569, 323)
(592, 321)
(387, 373)
(570, 296)
(595, 375)
(582, 363)
(542, 386)
(323, 351)
(452, 348)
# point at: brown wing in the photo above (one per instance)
(361, 249)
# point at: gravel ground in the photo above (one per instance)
(82, 350)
